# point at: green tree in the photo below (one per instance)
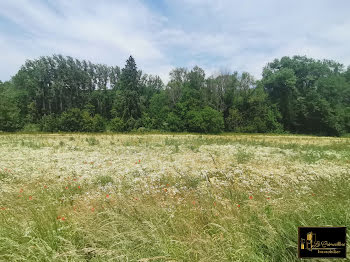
(49, 123)
(281, 87)
(117, 125)
(129, 104)
(74, 120)
(159, 109)
(309, 94)
(10, 119)
(207, 120)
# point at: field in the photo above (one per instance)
(164, 197)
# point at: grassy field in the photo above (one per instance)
(100, 197)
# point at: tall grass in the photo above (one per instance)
(116, 207)
(58, 224)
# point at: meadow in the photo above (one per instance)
(167, 197)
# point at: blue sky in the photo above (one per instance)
(219, 36)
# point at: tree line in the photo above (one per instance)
(296, 95)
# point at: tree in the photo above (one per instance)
(72, 120)
(130, 104)
(159, 109)
(296, 94)
(117, 125)
(309, 94)
(213, 121)
(10, 119)
(252, 112)
(281, 87)
(207, 120)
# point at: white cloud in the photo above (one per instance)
(104, 32)
(223, 34)
(248, 34)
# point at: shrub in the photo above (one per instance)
(48, 123)
(72, 120)
(213, 121)
(234, 120)
(87, 123)
(260, 121)
(194, 121)
(31, 128)
(117, 125)
(77, 120)
(208, 120)
(174, 123)
(142, 130)
(147, 122)
(9, 116)
(99, 124)
(130, 124)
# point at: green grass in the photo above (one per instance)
(242, 156)
(201, 228)
(167, 198)
(104, 180)
(92, 141)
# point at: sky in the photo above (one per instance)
(218, 36)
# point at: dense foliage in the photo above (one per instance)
(298, 95)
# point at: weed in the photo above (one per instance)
(92, 141)
(194, 205)
(243, 156)
(104, 180)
